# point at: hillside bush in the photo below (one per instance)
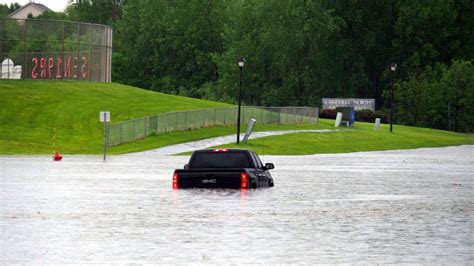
(327, 113)
(364, 115)
(384, 116)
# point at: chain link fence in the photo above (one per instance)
(140, 128)
(55, 49)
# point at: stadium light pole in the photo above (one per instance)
(393, 68)
(241, 64)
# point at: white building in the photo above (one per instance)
(34, 9)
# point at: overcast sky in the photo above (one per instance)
(55, 5)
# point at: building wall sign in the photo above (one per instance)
(59, 67)
(55, 50)
(358, 104)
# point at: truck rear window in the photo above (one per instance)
(220, 160)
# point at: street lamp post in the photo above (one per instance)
(393, 68)
(241, 64)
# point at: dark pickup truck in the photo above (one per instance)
(223, 168)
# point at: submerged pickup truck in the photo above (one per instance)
(223, 168)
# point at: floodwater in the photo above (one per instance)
(414, 206)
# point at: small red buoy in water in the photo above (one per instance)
(57, 156)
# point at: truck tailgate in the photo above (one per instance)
(209, 178)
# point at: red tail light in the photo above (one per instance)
(244, 180)
(175, 180)
(220, 150)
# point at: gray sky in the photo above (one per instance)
(55, 5)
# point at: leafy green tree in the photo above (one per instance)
(53, 15)
(105, 12)
(458, 81)
(366, 46)
(289, 60)
(420, 100)
(6, 10)
(423, 99)
(168, 45)
(426, 33)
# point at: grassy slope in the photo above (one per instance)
(362, 138)
(30, 110)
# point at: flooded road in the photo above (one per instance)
(414, 206)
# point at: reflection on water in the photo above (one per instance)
(386, 207)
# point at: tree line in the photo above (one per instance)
(299, 51)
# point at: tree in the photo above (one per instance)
(96, 11)
(169, 44)
(458, 81)
(286, 44)
(366, 46)
(426, 34)
(6, 10)
(423, 99)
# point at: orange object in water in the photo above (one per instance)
(57, 156)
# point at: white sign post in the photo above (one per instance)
(377, 124)
(105, 117)
(338, 120)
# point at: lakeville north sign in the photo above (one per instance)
(358, 104)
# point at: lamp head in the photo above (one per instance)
(241, 62)
(393, 67)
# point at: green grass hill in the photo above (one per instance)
(39, 117)
(34, 115)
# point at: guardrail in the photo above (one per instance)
(131, 130)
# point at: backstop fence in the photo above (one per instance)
(140, 128)
(55, 49)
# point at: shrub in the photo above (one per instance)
(327, 113)
(364, 115)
